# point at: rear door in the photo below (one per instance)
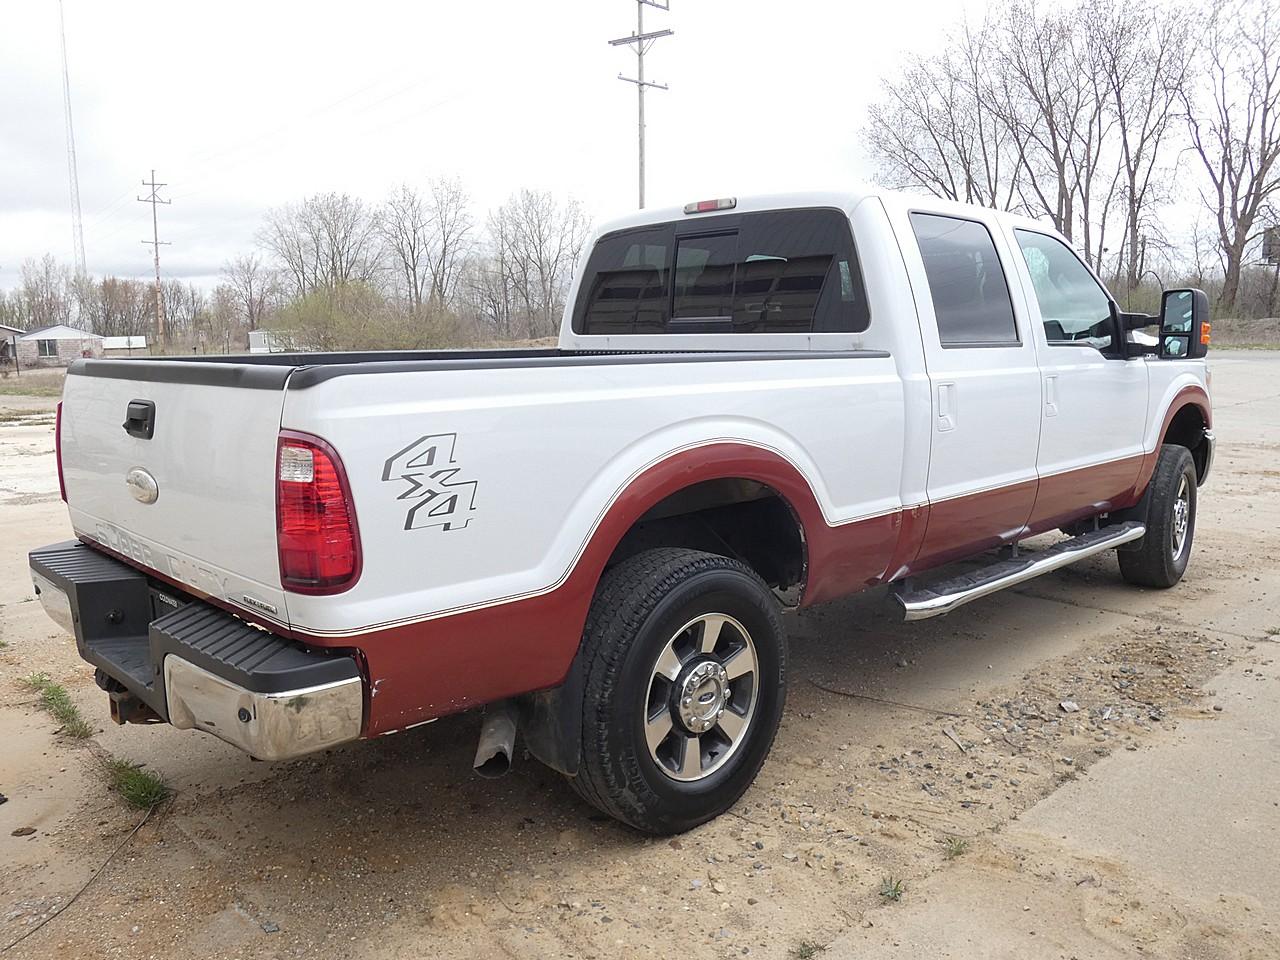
(984, 380)
(203, 441)
(1094, 401)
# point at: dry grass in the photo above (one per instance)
(33, 383)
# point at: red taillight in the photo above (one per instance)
(316, 531)
(57, 446)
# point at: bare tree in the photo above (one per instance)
(1144, 56)
(12, 311)
(937, 128)
(1064, 112)
(406, 225)
(325, 241)
(221, 325)
(428, 240)
(491, 286)
(182, 305)
(537, 240)
(254, 287)
(1234, 123)
(451, 237)
(117, 306)
(47, 294)
(1049, 98)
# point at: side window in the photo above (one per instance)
(1073, 307)
(966, 282)
(625, 285)
(786, 271)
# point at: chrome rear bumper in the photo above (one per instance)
(55, 602)
(269, 726)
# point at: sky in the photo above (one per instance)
(239, 107)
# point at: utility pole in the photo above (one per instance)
(156, 244)
(77, 226)
(643, 42)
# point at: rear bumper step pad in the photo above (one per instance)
(198, 666)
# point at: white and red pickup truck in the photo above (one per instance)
(754, 403)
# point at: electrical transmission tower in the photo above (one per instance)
(643, 42)
(77, 226)
(156, 243)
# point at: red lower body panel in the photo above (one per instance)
(1077, 494)
(980, 521)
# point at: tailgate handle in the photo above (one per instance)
(140, 419)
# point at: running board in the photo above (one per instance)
(945, 595)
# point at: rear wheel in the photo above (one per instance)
(1161, 556)
(685, 661)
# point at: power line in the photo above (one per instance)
(643, 42)
(77, 225)
(156, 244)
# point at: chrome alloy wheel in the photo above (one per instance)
(1181, 518)
(702, 697)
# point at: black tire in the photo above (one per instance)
(1156, 560)
(637, 614)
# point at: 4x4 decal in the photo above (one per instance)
(440, 500)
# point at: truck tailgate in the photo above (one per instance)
(211, 456)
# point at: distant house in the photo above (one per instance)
(8, 345)
(268, 341)
(57, 346)
(124, 346)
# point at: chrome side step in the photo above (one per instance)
(944, 596)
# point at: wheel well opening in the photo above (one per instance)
(732, 517)
(1187, 430)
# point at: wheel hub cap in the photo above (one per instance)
(1181, 519)
(702, 696)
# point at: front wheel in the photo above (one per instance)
(685, 660)
(1161, 556)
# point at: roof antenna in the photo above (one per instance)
(77, 225)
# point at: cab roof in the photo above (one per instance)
(844, 199)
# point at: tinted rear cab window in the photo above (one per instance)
(966, 282)
(787, 271)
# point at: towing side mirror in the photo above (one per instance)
(1184, 324)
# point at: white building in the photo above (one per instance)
(57, 346)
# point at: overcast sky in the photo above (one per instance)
(243, 106)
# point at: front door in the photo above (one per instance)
(1093, 401)
(984, 381)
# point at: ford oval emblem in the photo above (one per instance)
(142, 485)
